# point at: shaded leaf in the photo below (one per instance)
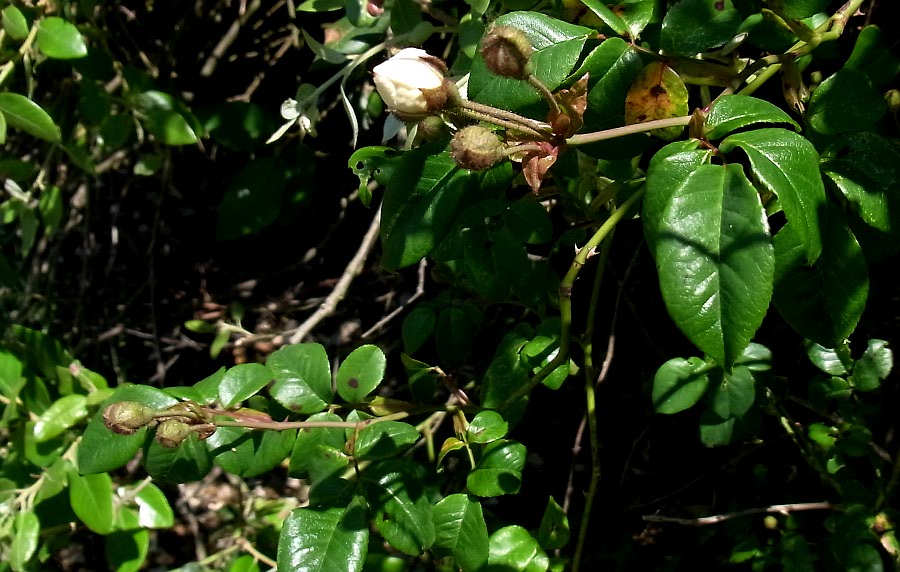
(679, 384)
(693, 26)
(499, 471)
(403, 515)
(845, 101)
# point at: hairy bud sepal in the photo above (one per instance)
(172, 433)
(413, 84)
(506, 52)
(126, 417)
(476, 148)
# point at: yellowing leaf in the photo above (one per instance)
(657, 93)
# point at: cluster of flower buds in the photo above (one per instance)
(174, 424)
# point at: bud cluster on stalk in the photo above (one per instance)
(173, 425)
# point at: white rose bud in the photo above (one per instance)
(412, 84)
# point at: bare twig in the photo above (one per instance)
(352, 270)
(716, 519)
(209, 66)
(420, 291)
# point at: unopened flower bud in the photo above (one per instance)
(126, 417)
(432, 129)
(413, 84)
(476, 148)
(507, 52)
(172, 432)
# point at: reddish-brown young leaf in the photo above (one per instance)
(572, 104)
(535, 164)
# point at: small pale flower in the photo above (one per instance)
(412, 84)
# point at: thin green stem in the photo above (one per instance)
(498, 113)
(479, 116)
(9, 66)
(545, 92)
(585, 138)
(565, 298)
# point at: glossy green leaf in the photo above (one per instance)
(715, 431)
(324, 540)
(2, 129)
(385, 439)
(733, 393)
(248, 453)
(417, 328)
(320, 5)
(302, 375)
(14, 23)
(307, 439)
(127, 548)
(612, 68)
(494, 259)
(845, 101)
(243, 382)
(873, 56)
(825, 359)
(609, 17)
(460, 531)
(554, 530)
(657, 93)
(245, 563)
(499, 471)
(822, 302)
(59, 39)
(716, 261)
(873, 367)
(693, 26)
(487, 426)
(396, 494)
(787, 165)
(374, 162)
(670, 168)
(513, 549)
(64, 413)
(732, 112)
(92, 500)
(360, 373)
(507, 372)
(423, 378)
(679, 384)
(421, 202)
(865, 167)
(557, 46)
(189, 461)
(101, 450)
(25, 540)
(154, 510)
(22, 113)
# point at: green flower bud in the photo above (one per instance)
(172, 432)
(126, 417)
(476, 148)
(507, 52)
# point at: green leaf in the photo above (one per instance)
(308, 439)
(499, 471)
(320, 5)
(14, 23)
(2, 129)
(423, 378)
(657, 93)
(248, 453)
(22, 113)
(165, 118)
(245, 563)
(243, 382)
(396, 495)
(153, 508)
(302, 378)
(455, 334)
(60, 40)
(670, 168)
(679, 384)
(92, 500)
(487, 426)
(865, 167)
(822, 302)
(421, 202)
(507, 371)
(825, 359)
(189, 461)
(460, 531)
(252, 199)
(513, 549)
(554, 530)
(417, 328)
(872, 55)
(733, 394)
(127, 548)
(873, 367)
(732, 112)
(324, 540)
(787, 165)
(845, 101)
(384, 439)
(715, 431)
(693, 26)
(609, 17)
(557, 47)
(716, 261)
(51, 206)
(101, 450)
(360, 373)
(64, 413)
(25, 542)
(529, 221)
